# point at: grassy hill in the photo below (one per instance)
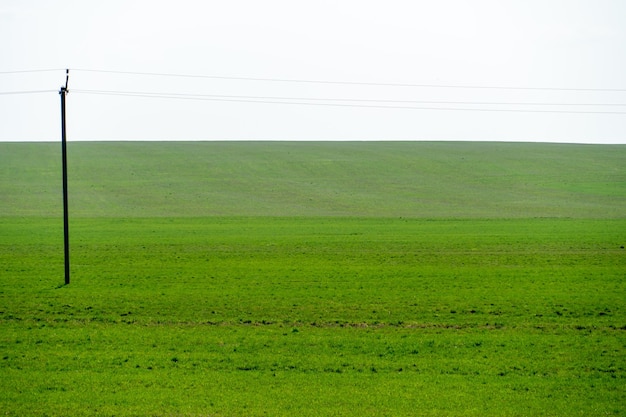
(371, 179)
(310, 278)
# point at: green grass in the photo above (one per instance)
(371, 179)
(311, 302)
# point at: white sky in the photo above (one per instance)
(573, 44)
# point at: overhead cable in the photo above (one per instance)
(32, 70)
(201, 96)
(291, 102)
(3, 93)
(285, 80)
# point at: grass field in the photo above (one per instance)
(250, 279)
(350, 179)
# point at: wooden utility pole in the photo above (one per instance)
(66, 227)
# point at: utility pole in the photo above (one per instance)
(66, 227)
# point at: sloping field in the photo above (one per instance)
(372, 179)
(314, 279)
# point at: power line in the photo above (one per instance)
(285, 80)
(4, 93)
(208, 96)
(288, 80)
(32, 70)
(243, 100)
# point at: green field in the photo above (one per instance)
(311, 278)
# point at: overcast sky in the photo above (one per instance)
(555, 57)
